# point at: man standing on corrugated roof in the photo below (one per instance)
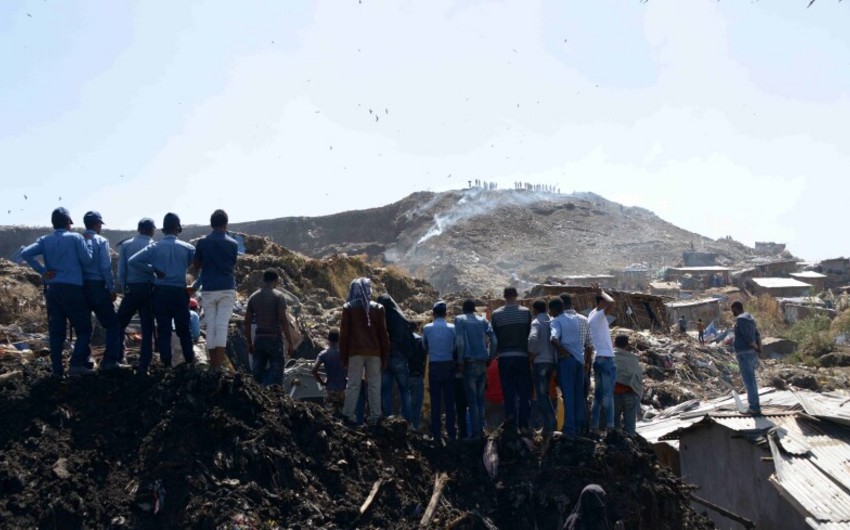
(747, 347)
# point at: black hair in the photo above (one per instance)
(270, 275)
(440, 311)
(469, 305)
(218, 219)
(599, 299)
(567, 300)
(510, 292)
(738, 304)
(556, 305)
(539, 305)
(333, 335)
(621, 341)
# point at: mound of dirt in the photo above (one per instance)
(197, 449)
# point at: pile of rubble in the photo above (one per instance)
(194, 448)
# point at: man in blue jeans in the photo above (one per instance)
(168, 259)
(604, 365)
(543, 357)
(473, 333)
(512, 324)
(439, 339)
(64, 254)
(571, 338)
(747, 347)
(400, 331)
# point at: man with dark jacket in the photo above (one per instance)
(400, 332)
(363, 343)
(512, 325)
(64, 254)
(747, 347)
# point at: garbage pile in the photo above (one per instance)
(194, 448)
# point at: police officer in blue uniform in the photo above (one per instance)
(137, 287)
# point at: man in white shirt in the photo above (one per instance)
(604, 365)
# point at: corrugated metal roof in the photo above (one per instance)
(693, 303)
(808, 274)
(779, 283)
(712, 268)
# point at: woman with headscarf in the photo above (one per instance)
(592, 511)
(363, 343)
(401, 344)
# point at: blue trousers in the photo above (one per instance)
(474, 380)
(542, 380)
(515, 376)
(100, 303)
(138, 298)
(396, 371)
(171, 304)
(571, 381)
(748, 360)
(267, 360)
(441, 380)
(604, 376)
(417, 398)
(67, 302)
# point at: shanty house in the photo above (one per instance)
(705, 277)
(707, 309)
(780, 287)
(785, 469)
(815, 279)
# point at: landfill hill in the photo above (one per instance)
(477, 240)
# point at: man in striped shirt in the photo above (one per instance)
(512, 325)
(571, 338)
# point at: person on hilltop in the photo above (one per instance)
(99, 289)
(65, 253)
(267, 309)
(512, 325)
(363, 343)
(168, 259)
(215, 257)
(476, 346)
(137, 288)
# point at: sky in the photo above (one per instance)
(724, 118)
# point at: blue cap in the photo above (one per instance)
(92, 217)
(146, 224)
(440, 304)
(60, 216)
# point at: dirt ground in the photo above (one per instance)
(190, 448)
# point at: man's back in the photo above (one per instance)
(170, 256)
(217, 253)
(127, 274)
(267, 305)
(600, 333)
(334, 371)
(573, 332)
(64, 253)
(512, 324)
(439, 339)
(472, 331)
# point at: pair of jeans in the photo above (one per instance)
(356, 364)
(748, 361)
(604, 377)
(267, 360)
(441, 382)
(625, 411)
(138, 298)
(515, 376)
(67, 302)
(99, 302)
(218, 307)
(171, 304)
(474, 381)
(396, 371)
(417, 398)
(571, 381)
(542, 380)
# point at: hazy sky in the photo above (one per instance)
(725, 118)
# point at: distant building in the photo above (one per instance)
(699, 277)
(780, 287)
(635, 277)
(693, 258)
(707, 309)
(769, 248)
(837, 271)
(815, 279)
(796, 309)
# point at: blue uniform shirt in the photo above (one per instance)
(64, 254)
(101, 266)
(127, 274)
(439, 339)
(217, 255)
(471, 330)
(170, 256)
